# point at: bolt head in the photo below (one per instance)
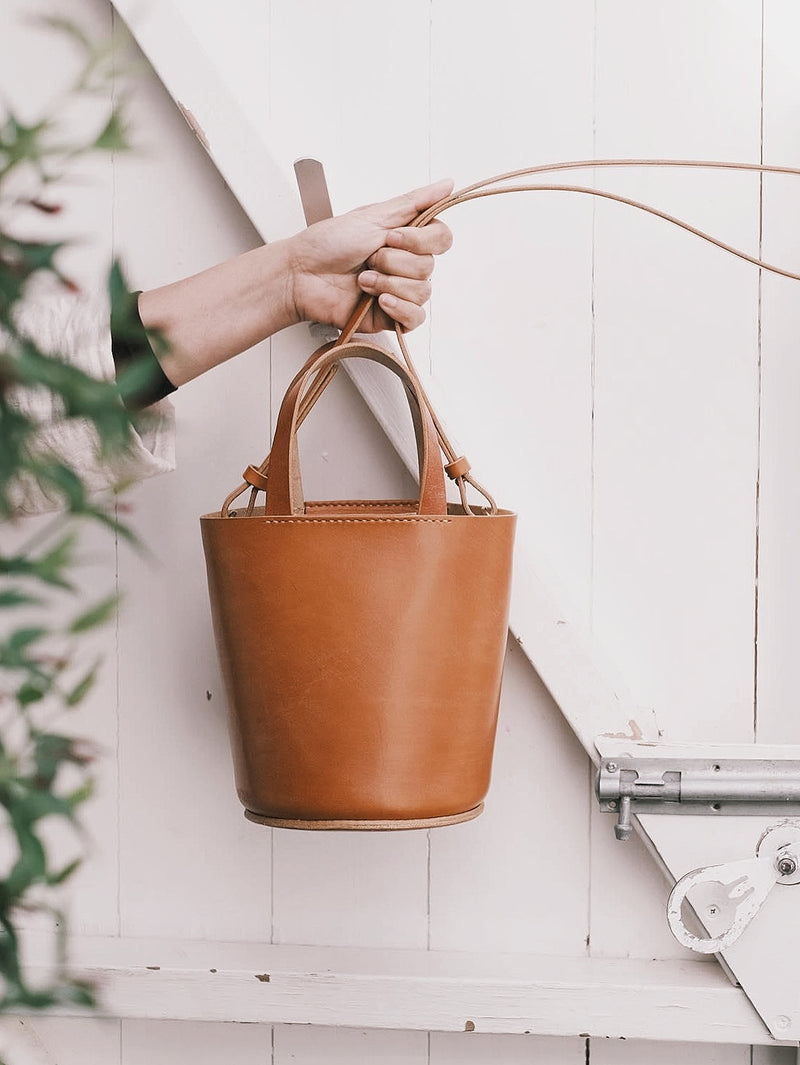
(611, 767)
(786, 866)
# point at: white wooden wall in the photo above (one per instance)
(642, 386)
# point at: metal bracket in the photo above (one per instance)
(628, 785)
(726, 898)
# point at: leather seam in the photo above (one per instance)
(352, 521)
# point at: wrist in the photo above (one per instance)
(296, 293)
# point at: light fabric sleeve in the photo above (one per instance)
(77, 329)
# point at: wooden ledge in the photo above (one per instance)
(414, 989)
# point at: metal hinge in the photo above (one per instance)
(628, 785)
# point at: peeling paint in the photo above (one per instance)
(469, 1026)
(263, 977)
(194, 126)
(634, 733)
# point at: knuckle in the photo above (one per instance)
(377, 261)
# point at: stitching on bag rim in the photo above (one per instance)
(351, 521)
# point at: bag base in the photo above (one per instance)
(366, 826)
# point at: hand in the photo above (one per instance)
(371, 249)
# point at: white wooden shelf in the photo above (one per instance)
(415, 990)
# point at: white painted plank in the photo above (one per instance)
(309, 1045)
(168, 1042)
(190, 863)
(60, 1041)
(634, 1052)
(348, 85)
(774, 1056)
(675, 415)
(510, 356)
(502, 882)
(779, 501)
(418, 990)
(473, 1048)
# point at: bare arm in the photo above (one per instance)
(316, 275)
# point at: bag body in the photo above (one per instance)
(361, 642)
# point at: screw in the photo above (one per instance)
(782, 1021)
(713, 911)
(611, 767)
(786, 865)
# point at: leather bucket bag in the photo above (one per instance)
(361, 641)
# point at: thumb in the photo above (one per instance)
(401, 210)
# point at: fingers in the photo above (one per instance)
(408, 315)
(399, 272)
(404, 289)
(433, 239)
(401, 263)
(401, 210)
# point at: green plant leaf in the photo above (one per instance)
(34, 690)
(11, 597)
(13, 650)
(96, 615)
(81, 794)
(114, 136)
(31, 866)
(65, 26)
(54, 879)
(79, 692)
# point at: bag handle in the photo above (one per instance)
(457, 466)
(284, 494)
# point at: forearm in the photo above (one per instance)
(218, 313)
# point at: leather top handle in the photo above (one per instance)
(284, 488)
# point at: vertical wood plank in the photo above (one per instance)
(774, 1056)
(348, 84)
(473, 1048)
(676, 409)
(190, 864)
(202, 1043)
(779, 498)
(60, 1041)
(502, 882)
(637, 1052)
(510, 351)
(308, 1045)
(675, 402)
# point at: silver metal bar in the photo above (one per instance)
(630, 786)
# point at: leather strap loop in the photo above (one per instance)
(457, 468)
(256, 478)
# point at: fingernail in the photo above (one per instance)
(368, 277)
(389, 303)
(395, 238)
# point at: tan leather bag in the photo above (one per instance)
(361, 641)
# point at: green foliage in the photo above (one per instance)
(45, 772)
